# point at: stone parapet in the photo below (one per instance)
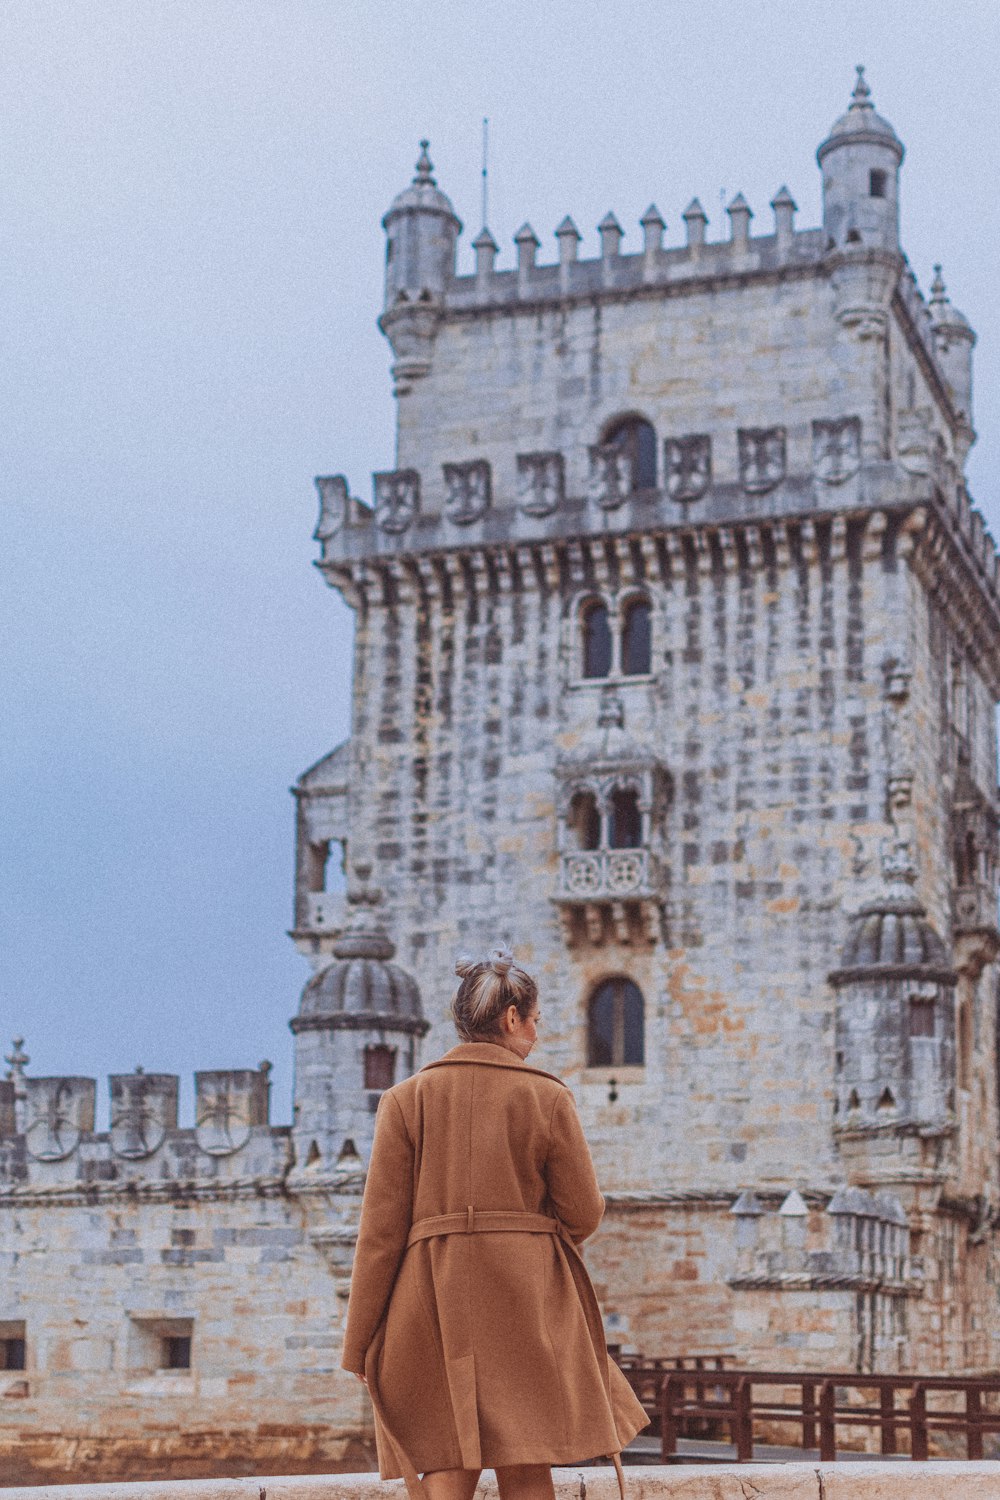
(794, 1481)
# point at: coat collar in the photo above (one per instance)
(493, 1054)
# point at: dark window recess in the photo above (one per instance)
(176, 1352)
(638, 439)
(615, 1025)
(921, 1016)
(877, 182)
(13, 1354)
(380, 1067)
(625, 822)
(596, 641)
(637, 638)
(585, 821)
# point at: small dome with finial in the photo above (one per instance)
(423, 193)
(945, 316)
(890, 936)
(860, 125)
(361, 987)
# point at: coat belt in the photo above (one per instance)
(483, 1221)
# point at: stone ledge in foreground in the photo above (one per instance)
(901, 1480)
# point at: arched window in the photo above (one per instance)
(625, 820)
(637, 438)
(596, 640)
(637, 638)
(615, 1025)
(585, 821)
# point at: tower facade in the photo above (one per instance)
(676, 657)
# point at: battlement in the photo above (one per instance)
(612, 273)
(48, 1137)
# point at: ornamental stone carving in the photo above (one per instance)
(143, 1109)
(687, 463)
(58, 1111)
(227, 1106)
(611, 477)
(468, 491)
(541, 483)
(397, 499)
(762, 458)
(836, 449)
(333, 502)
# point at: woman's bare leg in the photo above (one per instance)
(452, 1484)
(525, 1482)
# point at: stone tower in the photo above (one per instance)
(676, 658)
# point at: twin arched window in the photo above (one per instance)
(615, 1025)
(635, 639)
(624, 820)
(636, 437)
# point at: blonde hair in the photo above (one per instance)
(489, 985)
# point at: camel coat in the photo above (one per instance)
(482, 1348)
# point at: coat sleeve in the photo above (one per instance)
(569, 1172)
(386, 1216)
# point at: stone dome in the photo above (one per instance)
(860, 125)
(891, 937)
(947, 318)
(423, 194)
(361, 987)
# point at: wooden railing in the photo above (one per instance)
(706, 1401)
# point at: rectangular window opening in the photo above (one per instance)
(877, 181)
(13, 1346)
(157, 1343)
(176, 1352)
(921, 1016)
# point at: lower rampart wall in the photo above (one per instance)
(840, 1481)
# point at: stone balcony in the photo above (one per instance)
(607, 892)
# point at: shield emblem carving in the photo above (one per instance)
(688, 465)
(332, 489)
(611, 477)
(397, 499)
(762, 458)
(143, 1109)
(540, 482)
(836, 449)
(223, 1120)
(468, 491)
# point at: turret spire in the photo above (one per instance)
(425, 167)
(862, 95)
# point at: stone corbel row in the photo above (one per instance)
(671, 557)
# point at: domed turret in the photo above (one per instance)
(860, 159)
(422, 232)
(895, 1010)
(953, 343)
(356, 1032)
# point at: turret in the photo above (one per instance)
(421, 239)
(953, 343)
(860, 159)
(895, 987)
(356, 1034)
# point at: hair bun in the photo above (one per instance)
(464, 965)
(501, 960)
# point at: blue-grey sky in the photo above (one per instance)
(191, 254)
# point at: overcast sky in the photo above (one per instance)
(190, 197)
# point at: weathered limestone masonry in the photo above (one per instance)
(677, 652)
(676, 661)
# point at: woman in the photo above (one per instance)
(472, 1319)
